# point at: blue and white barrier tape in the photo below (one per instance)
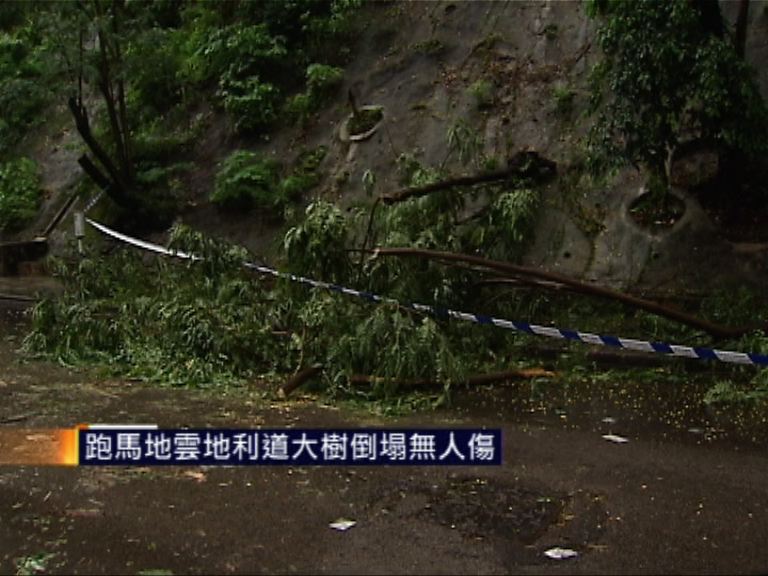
(550, 332)
(92, 202)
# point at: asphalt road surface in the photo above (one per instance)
(651, 505)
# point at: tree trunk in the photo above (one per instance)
(112, 87)
(118, 180)
(125, 136)
(117, 189)
(94, 173)
(110, 100)
(740, 41)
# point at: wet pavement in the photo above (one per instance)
(667, 501)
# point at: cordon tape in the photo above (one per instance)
(550, 332)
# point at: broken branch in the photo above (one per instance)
(478, 380)
(714, 330)
(522, 165)
(298, 379)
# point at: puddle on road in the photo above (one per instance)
(519, 518)
(482, 507)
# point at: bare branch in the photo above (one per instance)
(477, 380)
(524, 165)
(714, 330)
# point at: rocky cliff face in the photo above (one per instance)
(515, 73)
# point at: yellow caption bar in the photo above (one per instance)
(39, 447)
(50, 446)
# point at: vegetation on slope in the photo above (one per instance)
(133, 73)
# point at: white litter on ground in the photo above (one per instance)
(615, 438)
(561, 553)
(342, 524)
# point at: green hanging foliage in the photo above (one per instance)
(665, 77)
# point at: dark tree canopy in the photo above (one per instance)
(669, 75)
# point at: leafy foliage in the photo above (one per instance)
(396, 347)
(663, 77)
(483, 93)
(465, 141)
(252, 103)
(23, 87)
(305, 175)
(262, 53)
(299, 107)
(321, 81)
(20, 193)
(209, 322)
(322, 78)
(562, 97)
(218, 325)
(246, 180)
(510, 223)
(234, 52)
(160, 141)
(493, 220)
(155, 59)
(161, 58)
(211, 327)
(318, 245)
(364, 120)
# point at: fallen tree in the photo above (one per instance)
(714, 330)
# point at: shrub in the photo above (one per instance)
(235, 52)
(293, 186)
(305, 175)
(321, 79)
(329, 36)
(318, 245)
(246, 180)
(22, 90)
(20, 193)
(309, 160)
(482, 91)
(562, 98)
(155, 62)
(253, 104)
(299, 107)
(163, 141)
